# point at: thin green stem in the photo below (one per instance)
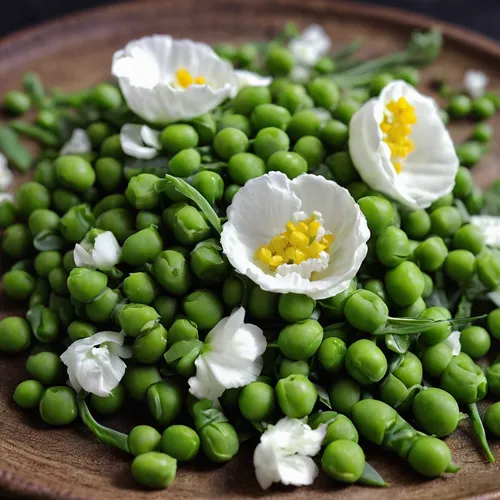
(478, 428)
(348, 50)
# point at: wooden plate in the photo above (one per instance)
(75, 52)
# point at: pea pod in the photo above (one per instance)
(382, 425)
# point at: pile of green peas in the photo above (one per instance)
(174, 284)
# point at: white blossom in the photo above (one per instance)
(103, 254)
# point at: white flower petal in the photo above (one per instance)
(6, 196)
(79, 143)
(300, 74)
(495, 297)
(146, 71)
(453, 342)
(428, 173)
(312, 44)
(251, 79)
(131, 140)
(151, 137)
(490, 227)
(83, 258)
(6, 175)
(475, 82)
(107, 251)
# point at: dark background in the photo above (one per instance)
(480, 15)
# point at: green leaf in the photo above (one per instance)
(34, 317)
(371, 477)
(35, 132)
(104, 434)
(478, 428)
(181, 348)
(464, 310)
(190, 192)
(48, 240)
(15, 152)
(323, 396)
(398, 343)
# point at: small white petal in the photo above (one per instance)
(151, 137)
(6, 175)
(83, 258)
(6, 196)
(251, 79)
(475, 82)
(490, 227)
(79, 143)
(132, 142)
(300, 74)
(453, 342)
(323, 114)
(495, 297)
(107, 251)
(311, 46)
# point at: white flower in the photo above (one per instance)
(284, 453)
(79, 143)
(453, 342)
(6, 175)
(94, 363)
(475, 82)
(490, 227)
(261, 236)
(6, 196)
(231, 357)
(103, 254)
(140, 141)
(251, 79)
(401, 147)
(165, 80)
(310, 46)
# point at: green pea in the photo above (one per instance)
(145, 219)
(138, 379)
(463, 183)
(292, 97)
(17, 241)
(42, 219)
(208, 262)
(459, 106)
(141, 192)
(379, 82)
(482, 132)
(290, 367)
(209, 184)
(494, 323)
(58, 281)
(277, 86)
(58, 406)
(229, 142)
(63, 200)
(342, 168)
(344, 394)
(143, 439)
(469, 153)
(492, 419)
(18, 284)
(493, 378)
(98, 132)
(107, 97)
(102, 308)
(311, 149)
(339, 427)
(239, 122)
(261, 304)
(185, 163)
(296, 396)
(270, 115)
(134, 317)
(140, 288)
(378, 213)
(44, 323)
(270, 140)
(475, 341)
(279, 61)
(109, 173)
(41, 293)
(171, 271)
(7, 213)
(325, 65)
(245, 166)
(167, 308)
(45, 174)
(182, 329)
(204, 308)
(180, 442)
(346, 109)
(74, 172)
(414, 310)
(408, 74)
(429, 456)
(303, 123)
(460, 265)
(154, 470)
(343, 460)
(324, 92)
(108, 203)
(85, 285)
(165, 402)
(483, 108)
(30, 196)
(366, 311)
(225, 50)
(76, 222)
(300, 340)
(45, 366)
(190, 226)
(177, 137)
(488, 269)
(291, 164)
(206, 127)
(257, 401)
(334, 134)
(109, 405)
(417, 224)
(15, 335)
(404, 283)
(469, 237)
(365, 362)
(336, 304)
(79, 330)
(28, 394)
(149, 347)
(16, 102)
(436, 412)
(436, 358)
(445, 221)
(444, 201)
(248, 98)
(141, 247)
(392, 247)
(431, 254)
(233, 291)
(377, 287)
(440, 331)
(331, 354)
(295, 307)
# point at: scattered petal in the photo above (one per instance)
(475, 82)
(78, 144)
(133, 139)
(453, 342)
(104, 254)
(310, 46)
(251, 79)
(490, 227)
(6, 175)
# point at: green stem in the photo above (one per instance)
(348, 50)
(477, 427)
(15, 152)
(104, 434)
(35, 132)
(375, 65)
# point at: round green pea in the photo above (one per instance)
(85, 285)
(378, 213)
(45, 366)
(436, 412)
(257, 401)
(392, 247)
(493, 323)
(459, 106)
(154, 469)
(334, 134)
(294, 307)
(324, 92)
(444, 201)
(204, 308)
(141, 192)
(366, 311)
(134, 317)
(28, 394)
(149, 347)
(460, 265)
(245, 166)
(138, 379)
(233, 291)
(279, 61)
(109, 405)
(492, 419)
(166, 307)
(429, 456)
(445, 221)
(483, 108)
(270, 140)
(291, 164)
(270, 115)
(331, 354)
(209, 184)
(102, 308)
(17, 241)
(379, 82)
(344, 394)
(180, 442)
(304, 122)
(7, 213)
(177, 137)
(171, 270)
(16, 102)
(300, 340)
(74, 172)
(185, 163)
(488, 269)
(469, 237)
(296, 396)
(79, 330)
(30, 196)
(239, 122)
(109, 174)
(142, 439)
(475, 341)
(469, 153)
(182, 329)
(343, 460)
(98, 132)
(404, 283)
(165, 401)
(289, 367)
(440, 331)
(140, 288)
(18, 284)
(346, 109)
(436, 358)
(145, 219)
(58, 406)
(482, 132)
(292, 97)
(107, 97)
(342, 168)
(190, 226)
(262, 304)
(63, 200)
(229, 142)
(463, 183)
(431, 254)
(42, 219)
(417, 224)
(311, 149)
(365, 362)
(141, 247)
(248, 98)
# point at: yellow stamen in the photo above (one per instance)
(298, 239)
(185, 79)
(313, 229)
(302, 227)
(290, 227)
(396, 127)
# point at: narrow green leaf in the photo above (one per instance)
(35, 132)
(181, 348)
(34, 317)
(181, 186)
(16, 153)
(371, 477)
(477, 427)
(398, 343)
(104, 434)
(323, 396)
(34, 88)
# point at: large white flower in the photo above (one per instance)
(490, 227)
(103, 254)
(401, 147)
(94, 363)
(303, 236)
(475, 82)
(231, 357)
(165, 80)
(6, 175)
(284, 453)
(79, 143)
(140, 141)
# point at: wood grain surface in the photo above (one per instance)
(38, 461)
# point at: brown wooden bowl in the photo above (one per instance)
(74, 53)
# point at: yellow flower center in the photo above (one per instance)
(396, 126)
(185, 78)
(298, 243)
